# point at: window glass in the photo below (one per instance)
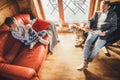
(76, 10)
(50, 8)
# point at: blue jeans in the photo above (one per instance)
(98, 44)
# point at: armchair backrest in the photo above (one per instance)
(115, 6)
(23, 18)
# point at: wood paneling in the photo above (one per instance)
(61, 12)
(7, 8)
(24, 5)
(3, 3)
(114, 0)
(92, 7)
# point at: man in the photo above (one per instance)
(102, 24)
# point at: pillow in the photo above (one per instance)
(40, 25)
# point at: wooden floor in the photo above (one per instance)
(61, 65)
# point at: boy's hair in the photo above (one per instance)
(9, 21)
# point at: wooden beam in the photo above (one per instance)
(114, 0)
(97, 5)
(36, 8)
(61, 11)
(92, 7)
(41, 9)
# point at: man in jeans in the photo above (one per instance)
(102, 24)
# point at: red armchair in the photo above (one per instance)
(17, 61)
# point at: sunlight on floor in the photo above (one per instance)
(61, 65)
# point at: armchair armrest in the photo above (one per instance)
(14, 71)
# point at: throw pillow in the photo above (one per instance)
(40, 25)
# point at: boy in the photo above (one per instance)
(25, 33)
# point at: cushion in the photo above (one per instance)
(23, 18)
(6, 40)
(2, 60)
(10, 56)
(4, 28)
(40, 25)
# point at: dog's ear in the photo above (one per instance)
(72, 26)
(75, 26)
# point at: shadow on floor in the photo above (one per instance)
(114, 48)
(91, 76)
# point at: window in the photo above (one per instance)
(50, 8)
(75, 11)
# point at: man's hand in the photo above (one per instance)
(85, 27)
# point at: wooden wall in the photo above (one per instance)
(12, 7)
(24, 5)
(29, 6)
(7, 8)
(114, 0)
